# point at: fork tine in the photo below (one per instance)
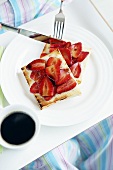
(61, 30)
(58, 29)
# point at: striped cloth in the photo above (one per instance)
(90, 150)
(2, 1)
(17, 12)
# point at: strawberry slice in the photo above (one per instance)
(82, 56)
(56, 43)
(34, 88)
(36, 65)
(76, 49)
(37, 75)
(64, 76)
(59, 45)
(66, 55)
(47, 98)
(53, 72)
(52, 49)
(46, 87)
(43, 54)
(69, 85)
(76, 70)
(54, 61)
(68, 44)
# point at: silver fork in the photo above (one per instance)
(59, 23)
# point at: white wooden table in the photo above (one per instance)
(105, 9)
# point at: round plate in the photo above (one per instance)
(96, 86)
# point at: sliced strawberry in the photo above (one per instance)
(37, 75)
(59, 45)
(56, 46)
(64, 76)
(36, 65)
(66, 55)
(53, 61)
(51, 49)
(76, 49)
(34, 88)
(56, 43)
(68, 44)
(69, 85)
(76, 70)
(43, 54)
(53, 72)
(82, 56)
(46, 87)
(47, 98)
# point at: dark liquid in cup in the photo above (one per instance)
(17, 128)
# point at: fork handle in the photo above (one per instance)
(61, 5)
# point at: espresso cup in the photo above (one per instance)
(19, 126)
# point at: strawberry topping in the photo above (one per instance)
(53, 72)
(43, 54)
(54, 61)
(46, 87)
(68, 44)
(57, 43)
(36, 65)
(75, 49)
(47, 98)
(37, 75)
(76, 70)
(82, 56)
(70, 84)
(34, 88)
(64, 76)
(49, 78)
(66, 55)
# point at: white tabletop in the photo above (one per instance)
(51, 137)
(105, 8)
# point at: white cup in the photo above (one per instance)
(16, 108)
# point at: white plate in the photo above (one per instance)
(96, 87)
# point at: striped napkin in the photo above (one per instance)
(17, 12)
(90, 150)
(2, 1)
